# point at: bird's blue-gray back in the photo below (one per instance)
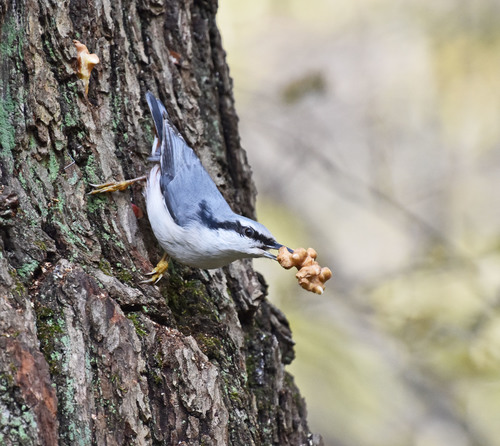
(185, 184)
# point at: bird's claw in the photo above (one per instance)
(158, 271)
(114, 186)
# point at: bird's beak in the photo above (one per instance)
(275, 245)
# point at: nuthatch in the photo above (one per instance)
(189, 216)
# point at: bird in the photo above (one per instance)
(189, 216)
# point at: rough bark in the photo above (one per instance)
(88, 354)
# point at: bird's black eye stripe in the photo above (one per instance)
(247, 231)
(208, 219)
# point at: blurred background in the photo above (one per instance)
(373, 129)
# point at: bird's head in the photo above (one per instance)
(248, 237)
(232, 236)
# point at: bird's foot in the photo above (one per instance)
(158, 271)
(114, 186)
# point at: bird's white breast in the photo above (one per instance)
(194, 246)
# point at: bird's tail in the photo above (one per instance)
(157, 111)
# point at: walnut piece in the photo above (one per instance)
(310, 275)
(86, 63)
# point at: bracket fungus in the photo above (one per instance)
(85, 63)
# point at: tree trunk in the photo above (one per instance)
(88, 354)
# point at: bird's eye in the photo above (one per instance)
(249, 232)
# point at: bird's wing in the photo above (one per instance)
(189, 192)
